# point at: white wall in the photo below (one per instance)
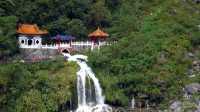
(30, 42)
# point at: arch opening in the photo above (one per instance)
(30, 42)
(22, 41)
(37, 42)
(65, 51)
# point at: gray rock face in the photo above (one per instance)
(176, 106)
(38, 54)
(192, 88)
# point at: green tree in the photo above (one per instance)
(8, 42)
(77, 28)
(99, 15)
(30, 102)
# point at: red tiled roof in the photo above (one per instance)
(98, 33)
(30, 29)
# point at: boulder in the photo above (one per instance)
(192, 88)
(191, 55)
(196, 65)
(176, 106)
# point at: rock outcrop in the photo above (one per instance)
(176, 106)
(192, 88)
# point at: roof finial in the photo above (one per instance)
(98, 33)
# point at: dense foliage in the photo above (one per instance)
(40, 87)
(8, 44)
(149, 62)
(73, 17)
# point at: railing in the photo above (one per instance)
(75, 45)
(82, 43)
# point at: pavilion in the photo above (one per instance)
(30, 35)
(98, 35)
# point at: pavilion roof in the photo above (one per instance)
(98, 33)
(63, 37)
(30, 29)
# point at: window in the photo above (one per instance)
(37, 41)
(30, 42)
(22, 41)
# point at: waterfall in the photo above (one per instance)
(85, 71)
(133, 103)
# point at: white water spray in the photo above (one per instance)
(84, 72)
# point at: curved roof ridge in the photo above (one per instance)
(30, 29)
(98, 33)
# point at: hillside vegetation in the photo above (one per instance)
(149, 62)
(39, 87)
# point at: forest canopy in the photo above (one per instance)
(150, 60)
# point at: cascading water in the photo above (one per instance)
(84, 72)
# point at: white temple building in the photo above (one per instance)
(30, 37)
(32, 47)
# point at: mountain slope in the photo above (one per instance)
(150, 60)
